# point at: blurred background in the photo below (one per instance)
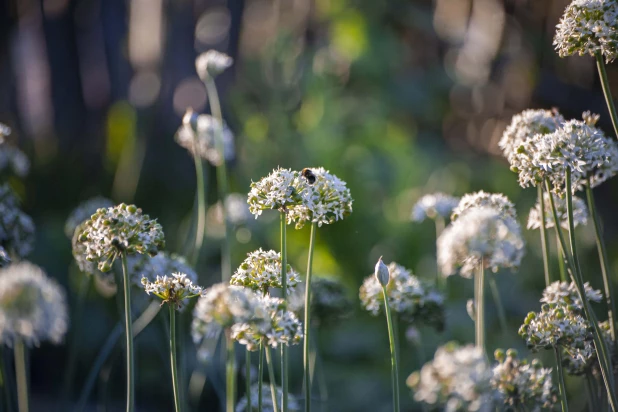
(398, 98)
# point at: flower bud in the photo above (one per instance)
(471, 309)
(381, 273)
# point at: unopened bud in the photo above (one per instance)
(381, 273)
(471, 309)
(190, 119)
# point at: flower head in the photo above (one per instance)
(588, 27)
(433, 206)
(329, 300)
(481, 199)
(564, 293)
(283, 189)
(16, 227)
(83, 212)
(580, 212)
(528, 124)
(198, 134)
(120, 229)
(267, 402)
(173, 289)
(261, 270)
(145, 266)
(211, 64)
(481, 235)
(33, 306)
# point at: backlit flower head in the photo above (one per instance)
(212, 63)
(327, 201)
(173, 289)
(566, 293)
(580, 212)
(149, 267)
(588, 27)
(267, 401)
(480, 199)
(198, 133)
(16, 227)
(434, 205)
(527, 124)
(83, 212)
(412, 299)
(283, 189)
(33, 306)
(120, 229)
(329, 300)
(457, 379)
(480, 235)
(261, 270)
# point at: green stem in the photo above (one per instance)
(480, 307)
(21, 375)
(173, 360)
(271, 378)
(544, 239)
(201, 204)
(248, 378)
(7, 383)
(260, 375)
(284, 292)
(439, 222)
(129, 335)
(307, 341)
(605, 270)
(393, 347)
(561, 259)
(230, 374)
(222, 180)
(561, 385)
(493, 286)
(607, 91)
(84, 285)
(591, 391)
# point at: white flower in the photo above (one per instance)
(528, 124)
(267, 402)
(172, 289)
(481, 235)
(16, 227)
(83, 212)
(588, 27)
(580, 213)
(4, 131)
(261, 270)
(33, 306)
(212, 63)
(434, 205)
(496, 201)
(149, 267)
(200, 133)
(281, 190)
(566, 293)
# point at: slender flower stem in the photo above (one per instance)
(480, 307)
(561, 259)
(284, 292)
(129, 335)
(7, 383)
(173, 360)
(561, 385)
(544, 239)
(21, 375)
(230, 374)
(248, 377)
(607, 91)
(605, 270)
(394, 360)
(84, 285)
(201, 204)
(493, 286)
(439, 222)
(307, 341)
(271, 378)
(260, 375)
(591, 392)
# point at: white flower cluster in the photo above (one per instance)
(267, 402)
(163, 263)
(480, 199)
(528, 124)
(120, 229)
(84, 212)
(199, 134)
(589, 27)
(173, 289)
(407, 295)
(458, 379)
(236, 211)
(280, 190)
(580, 213)
(566, 293)
(16, 227)
(211, 64)
(33, 306)
(522, 385)
(261, 270)
(480, 236)
(329, 300)
(434, 205)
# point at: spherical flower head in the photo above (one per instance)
(272, 322)
(519, 383)
(580, 212)
(199, 133)
(281, 190)
(16, 228)
(480, 236)
(211, 64)
(588, 27)
(413, 300)
(432, 206)
(261, 270)
(173, 290)
(327, 201)
(84, 212)
(267, 401)
(578, 360)
(527, 124)
(481, 199)
(13, 162)
(86, 266)
(457, 379)
(564, 293)
(119, 230)
(33, 306)
(329, 300)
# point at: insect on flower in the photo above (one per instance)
(308, 174)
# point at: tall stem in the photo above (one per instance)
(607, 91)
(260, 374)
(394, 360)
(439, 222)
(173, 360)
(480, 308)
(561, 259)
(21, 375)
(561, 385)
(605, 270)
(201, 204)
(544, 239)
(248, 377)
(222, 181)
(129, 335)
(307, 324)
(284, 291)
(271, 378)
(493, 286)
(591, 391)
(230, 374)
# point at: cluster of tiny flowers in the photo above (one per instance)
(272, 322)
(172, 289)
(83, 212)
(480, 236)
(329, 300)
(267, 402)
(33, 307)
(328, 201)
(120, 229)
(580, 212)
(528, 124)
(519, 384)
(480, 199)
(433, 206)
(211, 64)
(458, 379)
(261, 270)
(407, 295)
(144, 266)
(281, 190)
(16, 227)
(589, 27)
(199, 133)
(566, 293)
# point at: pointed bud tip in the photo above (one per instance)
(382, 273)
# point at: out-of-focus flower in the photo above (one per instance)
(281, 190)
(261, 270)
(329, 300)
(267, 402)
(163, 263)
(434, 205)
(5, 259)
(481, 235)
(588, 27)
(480, 199)
(412, 299)
(211, 64)
(198, 133)
(580, 212)
(120, 229)
(173, 289)
(13, 162)
(16, 227)
(33, 306)
(4, 131)
(527, 124)
(566, 293)
(84, 212)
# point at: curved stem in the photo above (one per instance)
(271, 378)
(480, 308)
(230, 374)
(393, 347)
(129, 335)
(493, 286)
(307, 324)
(173, 359)
(260, 375)
(544, 239)
(21, 375)
(201, 204)
(561, 385)
(248, 378)
(284, 292)
(607, 91)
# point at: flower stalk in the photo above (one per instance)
(606, 90)
(230, 374)
(271, 378)
(307, 324)
(393, 347)
(544, 239)
(21, 375)
(129, 335)
(284, 291)
(201, 205)
(248, 376)
(260, 374)
(561, 385)
(480, 307)
(173, 357)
